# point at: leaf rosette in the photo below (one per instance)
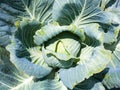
(62, 44)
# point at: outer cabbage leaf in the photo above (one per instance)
(90, 84)
(114, 15)
(10, 77)
(113, 12)
(51, 82)
(4, 56)
(24, 64)
(25, 32)
(32, 9)
(78, 12)
(102, 33)
(111, 35)
(92, 61)
(24, 54)
(107, 3)
(47, 32)
(14, 79)
(12, 11)
(93, 35)
(112, 77)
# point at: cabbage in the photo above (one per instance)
(59, 44)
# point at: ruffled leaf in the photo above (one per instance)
(49, 31)
(62, 50)
(58, 59)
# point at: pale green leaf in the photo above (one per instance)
(58, 59)
(62, 50)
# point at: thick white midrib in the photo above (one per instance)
(91, 15)
(5, 83)
(25, 82)
(34, 6)
(27, 9)
(78, 21)
(82, 11)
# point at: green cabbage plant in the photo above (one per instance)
(59, 45)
